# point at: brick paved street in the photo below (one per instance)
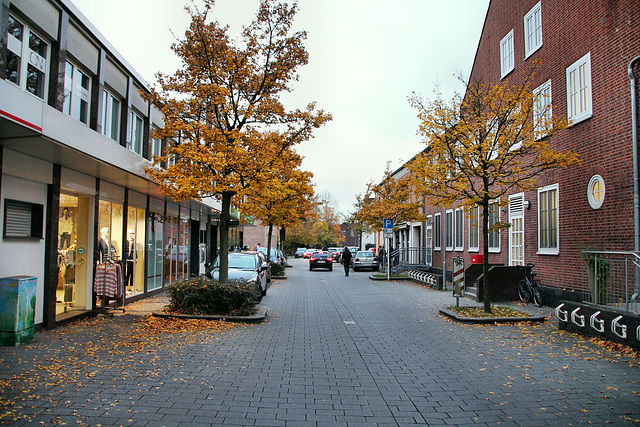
(334, 350)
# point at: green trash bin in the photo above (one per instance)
(17, 309)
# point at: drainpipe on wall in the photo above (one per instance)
(636, 184)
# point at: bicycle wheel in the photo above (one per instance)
(536, 291)
(523, 290)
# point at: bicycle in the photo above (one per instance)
(529, 287)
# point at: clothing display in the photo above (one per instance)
(109, 281)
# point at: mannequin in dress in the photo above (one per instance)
(131, 259)
(103, 244)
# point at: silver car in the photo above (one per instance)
(365, 259)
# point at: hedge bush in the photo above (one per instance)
(277, 269)
(202, 295)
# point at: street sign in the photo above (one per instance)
(387, 224)
(388, 234)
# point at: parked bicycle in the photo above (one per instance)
(529, 288)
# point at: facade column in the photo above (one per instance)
(51, 249)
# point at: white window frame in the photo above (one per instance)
(449, 230)
(76, 93)
(136, 133)
(110, 120)
(542, 110)
(458, 234)
(474, 229)
(437, 231)
(29, 58)
(507, 55)
(156, 147)
(495, 205)
(533, 30)
(579, 96)
(549, 248)
(596, 192)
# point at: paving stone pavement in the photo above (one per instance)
(334, 351)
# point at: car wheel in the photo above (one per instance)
(331, 268)
(310, 268)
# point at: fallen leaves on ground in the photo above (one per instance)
(77, 354)
(495, 312)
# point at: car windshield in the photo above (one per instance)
(240, 262)
(365, 254)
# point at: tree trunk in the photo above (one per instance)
(225, 217)
(269, 242)
(485, 262)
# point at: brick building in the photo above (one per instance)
(585, 49)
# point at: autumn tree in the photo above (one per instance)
(328, 220)
(493, 141)
(389, 199)
(284, 198)
(223, 109)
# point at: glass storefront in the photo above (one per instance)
(109, 245)
(73, 254)
(176, 245)
(155, 251)
(134, 252)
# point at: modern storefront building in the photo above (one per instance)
(75, 137)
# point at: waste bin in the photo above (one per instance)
(17, 309)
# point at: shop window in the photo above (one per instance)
(23, 220)
(26, 63)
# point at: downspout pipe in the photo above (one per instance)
(636, 182)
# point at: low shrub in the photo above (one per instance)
(202, 295)
(277, 269)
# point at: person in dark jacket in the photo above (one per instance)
(346, 260)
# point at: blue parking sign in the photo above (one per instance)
(387, 224)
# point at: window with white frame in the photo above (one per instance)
(474, 229)
(156, 147)
(507, 62)
(548, 215)
(494, 232)
(459, 229)
(26, 62)
(596, 191)
(449, 229)
(110, 119)
(135, 133)
(533, 30)
(579, 105)
(437, 231)
(542, 114)
(77, 93)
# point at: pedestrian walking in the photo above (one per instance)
(346, 260)
(382, 256)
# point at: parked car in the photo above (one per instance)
(250, 266)
(274, 254)
(365, 259)
(299, 252)
(335, 254)
(321, 259)
(307, 254)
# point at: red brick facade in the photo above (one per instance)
(610, 32)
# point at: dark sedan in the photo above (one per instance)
(321, 259)
(249, 266)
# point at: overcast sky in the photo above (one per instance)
(365, 58)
